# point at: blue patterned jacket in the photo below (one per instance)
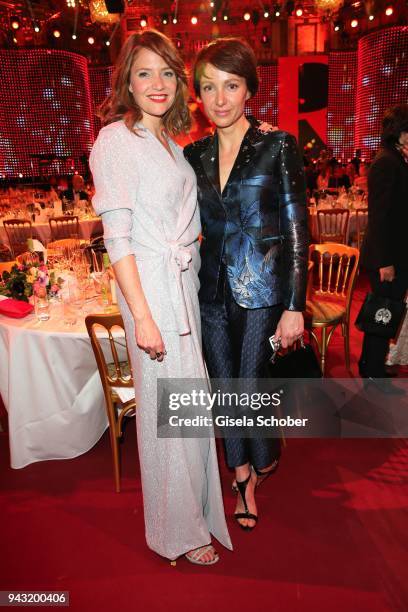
(257, 227)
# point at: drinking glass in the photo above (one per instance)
(41, 304)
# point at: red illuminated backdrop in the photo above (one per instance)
(381, 82)
(100, 84)
(341, 107)
(264, 105)
(49, 97)
(45, 112)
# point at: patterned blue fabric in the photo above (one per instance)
(236, 345)
(258, 225)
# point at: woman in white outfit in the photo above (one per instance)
(146, 195)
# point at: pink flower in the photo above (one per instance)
(55, 288)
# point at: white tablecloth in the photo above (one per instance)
(42, 231)
(50, 387)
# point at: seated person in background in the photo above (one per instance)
(77, 191)
(322, 180)
(310, 175)
(361, 181)
(351, 173)
(338, 178)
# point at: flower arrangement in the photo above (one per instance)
(24, 278)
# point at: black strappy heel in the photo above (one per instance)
(263, 475)
(242, 487)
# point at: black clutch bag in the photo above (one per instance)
(380, 316)
(300, 362)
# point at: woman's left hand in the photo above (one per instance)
(267, 127)
(290, 327)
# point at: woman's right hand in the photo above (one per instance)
(148, 338)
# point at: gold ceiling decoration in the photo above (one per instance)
(99, 12)
(331, 6)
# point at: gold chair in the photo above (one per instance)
(330, 300)
(361, 223)
(18, 232)
(64, 227)
(114, 373)
(332, 225)
(5, 266)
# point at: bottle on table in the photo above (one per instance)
(108, 282)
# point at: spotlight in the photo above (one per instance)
(214, 18)
(36, 28)
(194, 19)
(56, 34)
(389, 11)
(247, 16)
(71, 3)
(165, 19)
(266, 13)
(212, 4)
(74, 37)
(143, 21)
(337, 26)
(107, 43)
(91, 40)
(354, 23)
(225, 15)
(371, 18)
(15, 23)
(277, 10)
(174, 20)
(299, 10)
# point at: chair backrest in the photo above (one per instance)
(116, 375)
(332, 225)
(5, 266)
(18, 232)
(336, 270)
(64, 227)
(361, 223)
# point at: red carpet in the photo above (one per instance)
(332, 532)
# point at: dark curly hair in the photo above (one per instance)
(394, 122)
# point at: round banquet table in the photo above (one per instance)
(50, 387)
(87, 228)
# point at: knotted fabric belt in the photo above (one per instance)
(177, 258)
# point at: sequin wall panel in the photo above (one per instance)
(100, 80)
(341, 103)
(45, 112)
(264, 105)
(382, 81)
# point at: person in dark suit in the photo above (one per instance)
(384, 251)
(77, 191)
(254, 251)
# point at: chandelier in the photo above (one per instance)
(328, 6)
(99, 12)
